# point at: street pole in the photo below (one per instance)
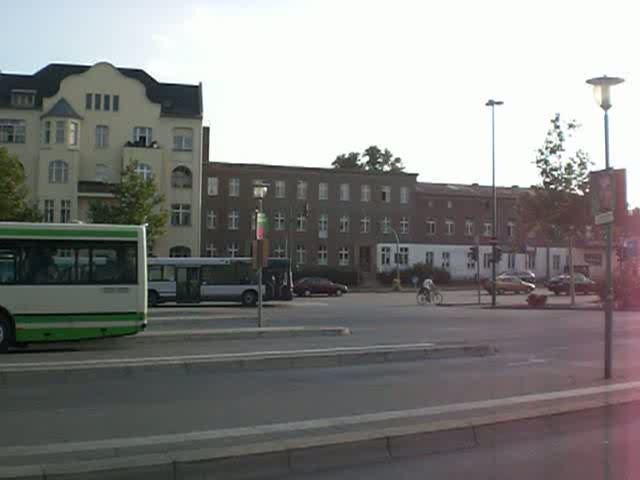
(397, 255)
(478, 267)
(260, 261)
(608, 303)
(492, 104)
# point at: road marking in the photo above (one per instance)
(199, 317)
(129, 442)
(530, 361)
(302, 303)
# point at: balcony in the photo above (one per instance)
(87, 188)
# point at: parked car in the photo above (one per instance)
(509, 283)
(524, 275)
(560, 284)
(316, 285)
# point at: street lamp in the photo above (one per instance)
(393, 230)
(602, 92)
(493, 103)
(259, 192)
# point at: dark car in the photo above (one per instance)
(524, 275)
(560, 284)
(305, 287)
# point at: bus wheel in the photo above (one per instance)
(249, 298)
(5, 334)
(152, 299)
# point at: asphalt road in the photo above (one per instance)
(538, 351)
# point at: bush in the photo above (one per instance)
(347, 277)
(440, 276)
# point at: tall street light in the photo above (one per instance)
(259, 192)
(602, 92)
(494, 240)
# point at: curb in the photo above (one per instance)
(234, 362)
(337, 450)
(236, 333)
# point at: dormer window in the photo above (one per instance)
(23, 98)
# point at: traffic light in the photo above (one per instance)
(473, 254)
(498, 251)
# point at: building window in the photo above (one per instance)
(385, 225)
(144, 171)
(142, 136)
(446, 260)
(404, 194)
(323, 226)
(301, 223)
(343, 256)
(281, 189)
(73, 134)
(323, 191)
(343, 226)
(403, 257)
(234, 220)
(23, 99)
(102, 136)
(302, 190)
(431, 227)
(386, 194)
(58, 171)
(428, 259)
(49, 209)
(212, 220)
(430, 203)
(12, 131)
(181, 177)
(232, 249)
(344, 192)
(365, 193)
(183, 139)
(102, 173)
(404, 225)
(97, 101)
(116, 103)
(180, 214)
(385, 256)
(471, 264)
(510, 229)
(301, 254)
(468, 228)
(234, 187)
(46, 133)
(556, 262)
(323, 256)
(487, 230)
(279, 221)
(530, 259)
(179, 252)
(65, 211)
(449, 227)
(212, 251)
(486, 260)
(212, 186)
(88, 101)
(365, 225)
(588, 232)
(449, 204)
(107, 102)
(511, 261)
(59, 131)
(278, 250)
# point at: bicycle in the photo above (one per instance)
(435, 297)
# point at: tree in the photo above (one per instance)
(13, 191)
(349, 161)
(137, 202)
(559, 206)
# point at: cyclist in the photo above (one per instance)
(428, 287)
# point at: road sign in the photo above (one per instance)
(604, 218)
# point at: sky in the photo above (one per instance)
(299, 82)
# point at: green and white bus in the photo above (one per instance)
(61, 282)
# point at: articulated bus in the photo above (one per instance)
(193, 279)
(69, 281)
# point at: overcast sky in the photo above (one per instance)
(298, 82)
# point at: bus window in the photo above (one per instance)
(116, 264)
(155, 273)
(8, 261)
(83, 265)
(169, 273)
(244, 274)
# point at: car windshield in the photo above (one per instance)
(291, 239)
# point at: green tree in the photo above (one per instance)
(13, 191)
(558, 207)
(137, 202)
(349, 161)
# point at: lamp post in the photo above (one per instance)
(493, 103)
(602, 92)
(259, 192)
(393, 230)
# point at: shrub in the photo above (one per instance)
(421, 270)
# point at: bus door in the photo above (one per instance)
(187, 284)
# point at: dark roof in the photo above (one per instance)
(467, 190)
(175, 99)
(294, 168)
(62, 109)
